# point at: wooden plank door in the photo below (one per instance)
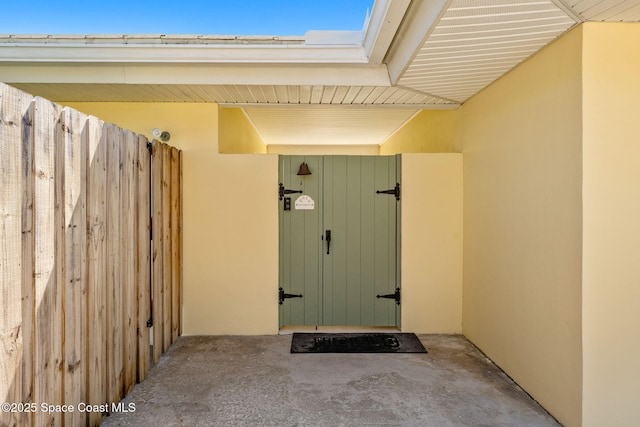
(300, 229)
(339, 279)
(362, 259)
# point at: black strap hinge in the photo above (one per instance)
(282, 296)
(282, 191)
(394, 296)
(394, 191)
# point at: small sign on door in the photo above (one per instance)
(304, 202)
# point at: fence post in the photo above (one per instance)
(143, 215)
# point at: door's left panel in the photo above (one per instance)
(300, 243)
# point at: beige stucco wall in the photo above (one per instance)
(236, 133)
(611, 192)
(550, 289)
(522, 290)
(230, 219)
(429, 131)
(231, 226)
(432, 243)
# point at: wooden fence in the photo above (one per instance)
(81, 282)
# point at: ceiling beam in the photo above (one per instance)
(569, 11)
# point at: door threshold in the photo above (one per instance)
(288, 330)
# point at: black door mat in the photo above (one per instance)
(356, 343)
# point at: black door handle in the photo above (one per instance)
(327, 237)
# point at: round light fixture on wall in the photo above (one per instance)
(160, 134)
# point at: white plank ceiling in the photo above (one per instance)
(327, 126)
(239, 95)
(477, 41)
(605, 10)
(470, 44)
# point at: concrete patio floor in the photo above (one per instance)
(255, 381)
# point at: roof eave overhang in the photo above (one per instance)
(291, 64)
(195, 73)
(386, 17)
(326, 58)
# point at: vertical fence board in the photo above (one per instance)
(96, 267)
(129, 155)
(60, 237)
(12, 107)
(48, 299)
(157, 256)
(143, 214)
(166, 245)
(28, 307)
(75, 333)
(113, 283)
(175, 249)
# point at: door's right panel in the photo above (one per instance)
(361, 262)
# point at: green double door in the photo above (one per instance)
(339, 249)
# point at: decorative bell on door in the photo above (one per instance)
(304, 169)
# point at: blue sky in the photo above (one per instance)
(231, 17)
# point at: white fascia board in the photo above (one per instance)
(172, 54)
(411, 35)
(333, 38)
(185, 73)
(385, 19)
